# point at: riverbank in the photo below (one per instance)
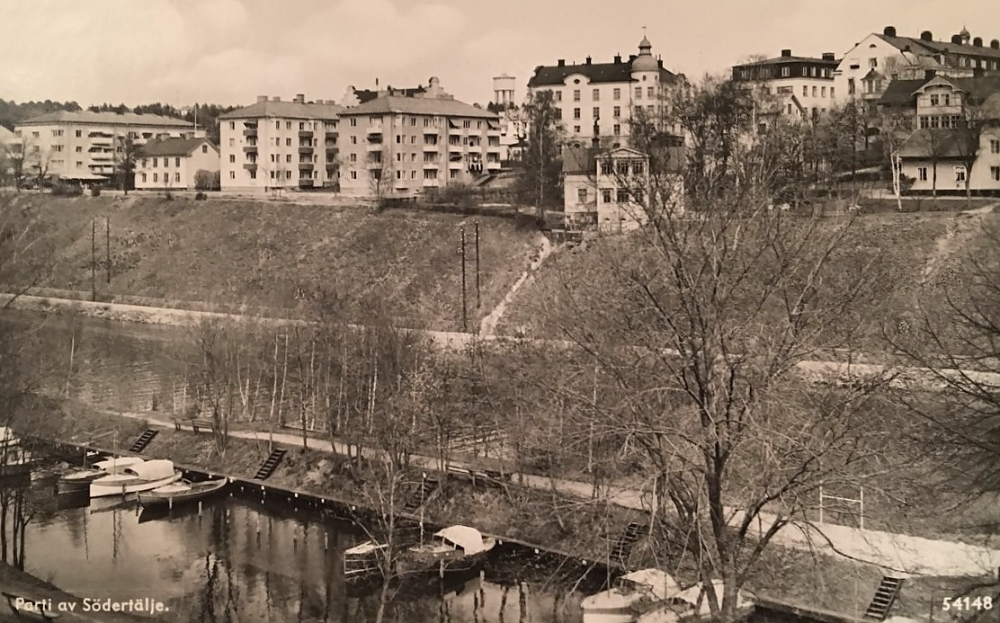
(69, 607)
(582, 528)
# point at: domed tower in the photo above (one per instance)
(965, 35)
(645, 60)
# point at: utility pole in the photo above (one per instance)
(465, 316)
(93, 260)
(478, 298)
(107, 238)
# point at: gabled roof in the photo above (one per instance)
(285, 110)
(580, 160)
(595, 73)
(106, 118)
(919, 46)
(901, 92)
(938, 143)
(419, 106)
(174, 146)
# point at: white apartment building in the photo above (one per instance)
(399, 146)
(87, 146)
(801, 87)
(597, 99)
(274, 145)
(173, 163)
(867, 68)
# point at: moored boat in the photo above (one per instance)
(180, 492)
(15, 460)
(632, 594)
(143, 476)
(81, 479)
(363, 560)
(453, 549)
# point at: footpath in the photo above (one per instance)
(898, 553)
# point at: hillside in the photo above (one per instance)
(919, 257)
(262, 254)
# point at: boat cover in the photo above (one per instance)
(469, 540)
(119, 462)
(152, 470)
(661, 583)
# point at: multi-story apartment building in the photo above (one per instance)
(174, 163)
(599, 99)
(277, 145)
(400, 146)
(952, 123)
(798, 87)
(87, 146)
(867, 69)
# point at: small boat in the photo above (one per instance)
(692, 604)
(180, 492)
(143, 476)
(81, 478)
(632, 594)
(15, 460)
(453, 549)
(362, 561)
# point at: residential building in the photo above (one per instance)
(798, 87)
(400, 146)
(174, 163)
(613, 190)
(274, 145)
(600, 99)
(868, 68)
(87, 146)
(952, 123)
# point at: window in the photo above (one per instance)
(253, 175)
(354, 122)
(597, 95)
(946, 99)
(823, 91)
(354, 139)
(576, 113)
(479, 125)
(156, 177)
(872, 63)
(288, 142)
(288, 175)
(606, 168)
(288, 157)
(850, 86)
(79, 149)
(935, 122)
(617, 129)
(576, 129)
(57, 132)
(354, 174)
(232, 175)
(814, 91)
(302, 125)
(558, 96)
(622, 196)
(650, 109)
(155, 162)
(650, 92)
(413, 175)
(430, 174)
(617, 112)
(177, 161)
(232, 158)
(786, 72)
(143, 178)
(805, 91)
(617, 93)
(638, 168)
(925, 123)
(960, 174)
(288, 125)
(622, 168)
(581, 195)
(57, 148)
(277, 125)
(467, 124)
(79, 133)
(935, 99)
(831, 92)
(606, 195)
(638, 93)
(597, 112)
(994, 146)
(576, 95)
(995, 174)
(177, 177)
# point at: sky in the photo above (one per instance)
(230, 51)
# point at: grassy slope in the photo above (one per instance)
(902, 244)
(255, 253)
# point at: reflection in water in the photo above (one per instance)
(237, 561)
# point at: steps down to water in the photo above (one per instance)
(270, 465)
(622, 548)
(143, 440)
(885, 597)
(420, 494)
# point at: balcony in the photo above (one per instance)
(375, 138)
(305, 166)
(250, 131)
(306, 182)
(433, 148)
(250, 166)
(250, 148)
(375, 128)
(432, 165)
(303, 149)
(306, 134)
(101, 142)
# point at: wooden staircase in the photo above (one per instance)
(143, 440)
(270, 465)
(423, 491)
(885, 597)
(622, 548)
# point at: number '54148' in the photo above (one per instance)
(967, 603)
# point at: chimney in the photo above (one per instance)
(275, 99)
(926, 36)
(906, 48)
(631, 57)
(978, 42)
(930, 73)
(829, 56)
(659, 63)
(300, 98)
(890, 31)
(786, 53)
(589, 60)
(561, 62)
(261, 98)
(956, 39)
(618, 59)
(995, 44)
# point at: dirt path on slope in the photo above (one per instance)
(960, 230)
(488, 327)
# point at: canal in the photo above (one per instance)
(239, 560)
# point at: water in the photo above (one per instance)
(215, 567)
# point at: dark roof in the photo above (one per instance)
(595, 73)
(940, 143)
(901, 92)
(419, 106)
(285, 110)
(367, 95)
(173, 146)
(919, 46)
(580, 160)
(106, 118)
(780, 60)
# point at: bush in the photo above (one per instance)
(200, 196)
(95, 191)
(62, 189)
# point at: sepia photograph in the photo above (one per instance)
(438, 311)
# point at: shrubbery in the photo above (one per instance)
(95, 191)
(62, 189)
(200, 196)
